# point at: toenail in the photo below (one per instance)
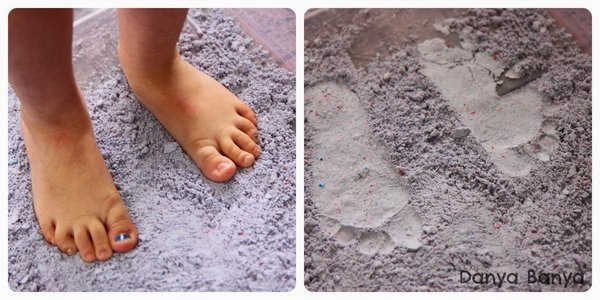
(103, 254)
(256, 151)
(248, 159)
(89, 257)
(70, 251)
(222, 166)
(122, 237)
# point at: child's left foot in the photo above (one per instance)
(210, 123)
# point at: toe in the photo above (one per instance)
(102, 247)
(244, 124)
(246, 143)
(248, 127)
(48, 231)
(253, 134)
(84, 244)
(122, 234)
(240, 157)
(64, 240)
(245, 111)
(212, 164)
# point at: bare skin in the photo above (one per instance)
(216, 129)
(75, 200)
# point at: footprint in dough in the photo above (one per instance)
(502, 124)
(360, 196)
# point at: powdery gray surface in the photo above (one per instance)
(475, 217)
(195, 235)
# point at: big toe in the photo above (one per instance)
(213, 165)
(122, 233)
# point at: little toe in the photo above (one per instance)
(253, 134)
(84, 244)
(240, 157)
(245, 111)
(48, 231)
(102, 247)
(64, 241)
(212, 164)
(246, 143)
(122, 233)
(247, 127)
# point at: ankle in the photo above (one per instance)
(73, 118)
(147, 66)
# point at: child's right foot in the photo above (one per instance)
(75, 200)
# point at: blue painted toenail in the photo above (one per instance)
(122, 237)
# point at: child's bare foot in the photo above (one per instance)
(75, 199)
(211, 124)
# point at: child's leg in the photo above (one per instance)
(211, 124)
(75, 200)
